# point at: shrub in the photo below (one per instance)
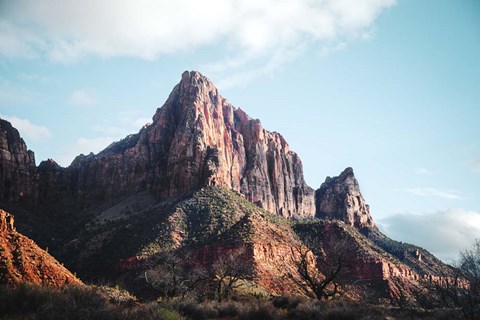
(341, 315)
(229, 309)
(284, 302)
(197, 311)
(23, 299)
(307, 310)
(258, 311)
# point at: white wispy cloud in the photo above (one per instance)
(28, 129)
(109, 130)
(256, 34)
(423, 171)
(34, 77)
(12, 94)
(125, 123)
(444, 233)
(82, 145)
(81, 97)
(435, 192)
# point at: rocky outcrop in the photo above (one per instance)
(6, 222)
(22, 261)
(197, 138)
(339, 198)
(17, 165)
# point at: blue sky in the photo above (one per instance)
(389, 88)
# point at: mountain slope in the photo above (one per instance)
(23, 261)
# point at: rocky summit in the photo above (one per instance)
(339, 198)
(205, 181)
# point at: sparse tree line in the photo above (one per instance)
(175, 274)
(316, 275)
(462, 289)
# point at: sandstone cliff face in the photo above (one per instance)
(22, 261)
(17, 165)
(196, 139)
(339, 198)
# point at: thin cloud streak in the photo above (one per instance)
(434, 192)
(81, 97)
(82, 146)
(423, 171)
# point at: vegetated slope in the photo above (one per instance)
(206, 224)
(22, 261)
(417, 258)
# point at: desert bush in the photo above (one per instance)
(259, 311)
(23, 299)
(306, 310)
(76, 302)
(196, 311)
(284, 302)
(341, 315)
(152, 311)
(229, 309)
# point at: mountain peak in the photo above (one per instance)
(194, 77)
(197, 139)
(340, 198)
(347, 173)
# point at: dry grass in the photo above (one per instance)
(90, 302)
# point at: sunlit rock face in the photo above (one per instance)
(339, 198)
(197, 138)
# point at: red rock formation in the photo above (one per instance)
(21, 260)
(269, 252)
(196, 139)
(17, 165)
(339, 198)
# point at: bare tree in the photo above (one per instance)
(462, 290)
(320, 271)
(228, 272)
(168, 275)
(312, 282)
(173, 274)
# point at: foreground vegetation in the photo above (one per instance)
(91, 302)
